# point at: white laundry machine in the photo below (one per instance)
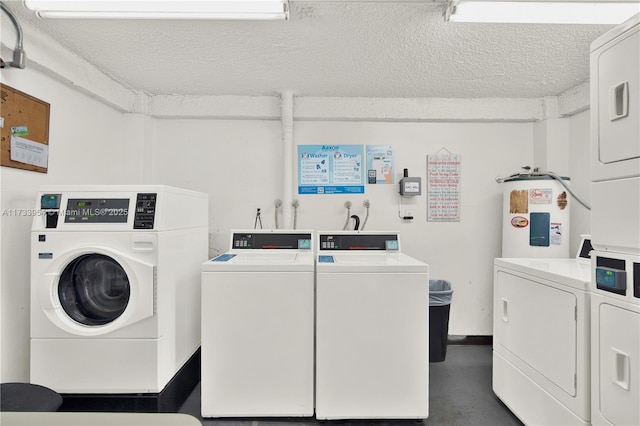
(115, 286)
(615, 225)
(615, 339)
(257, 326)
(372, 328)
(541, 337)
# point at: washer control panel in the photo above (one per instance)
(270, 241)
(368, 242)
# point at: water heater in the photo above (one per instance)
(535, 217)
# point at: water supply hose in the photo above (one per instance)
(295, 205)
(357, 219)
(366, 204)
(347, 204)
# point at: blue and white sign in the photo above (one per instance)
(330, 169)
(380, 164)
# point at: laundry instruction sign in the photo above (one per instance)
(330, 169)
(443, 187)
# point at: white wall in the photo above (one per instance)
(580, 173)
(239, 164)
(461, 252)
(86, 144)
(561, 145)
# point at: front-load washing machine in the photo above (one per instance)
(541, 337)
(615, 339)
(257, 326)
(372, 328)
(115, 286)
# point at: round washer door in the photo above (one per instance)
(94, 289)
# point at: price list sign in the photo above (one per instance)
(443, 187)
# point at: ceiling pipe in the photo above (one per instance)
(19, 55)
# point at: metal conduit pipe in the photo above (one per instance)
(286, 105)
(19, 55)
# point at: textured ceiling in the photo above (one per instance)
(333, 48)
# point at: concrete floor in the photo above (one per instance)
(460, 394)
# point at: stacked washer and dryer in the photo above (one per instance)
(615, 226)
(115, 292)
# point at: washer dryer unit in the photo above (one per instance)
(257, 326)
(372, 328)
(615, 339)
(115, 286)
(541, 337)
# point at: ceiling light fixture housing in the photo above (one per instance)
(542, 12)
(161, 9)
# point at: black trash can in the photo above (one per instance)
(440, 293)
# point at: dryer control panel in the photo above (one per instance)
(617, 273)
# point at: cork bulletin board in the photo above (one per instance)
(24, 130)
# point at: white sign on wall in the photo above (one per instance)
(443, 187)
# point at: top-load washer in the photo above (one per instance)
(541, 337)
(257, 326)
(115, 286)
(372, 328)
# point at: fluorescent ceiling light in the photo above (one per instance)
(543, 12)
(161, 9)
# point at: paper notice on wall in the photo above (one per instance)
(29, 152)
(443, 187)
(555, 232)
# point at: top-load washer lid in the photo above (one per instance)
(378, 252)
(365, 258)
(267, 261)
(253, 258)
(370, 262)
(265, 250)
